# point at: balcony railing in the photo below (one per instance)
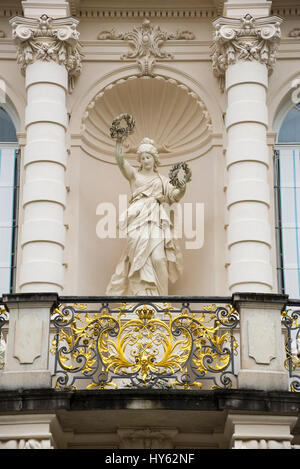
(3, 333)
(291, 321)
(110, 343)
(174, 342)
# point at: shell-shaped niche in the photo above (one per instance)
(164, 110)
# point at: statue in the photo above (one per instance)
(152, 256)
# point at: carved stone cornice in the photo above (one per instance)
(50, 40)
(247, 38)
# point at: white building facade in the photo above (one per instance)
(215, 364)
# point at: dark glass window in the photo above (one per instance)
(287, 192)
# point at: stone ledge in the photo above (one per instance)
(216, 400)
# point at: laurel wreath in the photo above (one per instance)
(173, 174)
(120, 132)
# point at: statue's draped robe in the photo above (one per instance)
(148, 222)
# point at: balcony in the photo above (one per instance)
(175, 342)
(186, 361)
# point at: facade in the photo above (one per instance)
(215, 363)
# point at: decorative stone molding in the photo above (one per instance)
(147, 438)
(247, 38)
(295, 96)
(191, 118)
(146, 42)
(129, 13)
(261, 444)
(30, 443)
(294, 33)
(50, 40)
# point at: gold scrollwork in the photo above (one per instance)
(138, 343)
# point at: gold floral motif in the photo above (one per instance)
(140, 345)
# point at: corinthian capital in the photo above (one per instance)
(48, 39)
(247, 38)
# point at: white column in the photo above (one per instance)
(244, 55)
(32, 431)
(248, 192)
(48, 56)
(248, 431)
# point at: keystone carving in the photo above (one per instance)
(244, 39)
(48, 39)
(146, 42)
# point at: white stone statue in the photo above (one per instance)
(152, 256)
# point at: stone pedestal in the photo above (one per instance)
(27, 351)
(262, 347)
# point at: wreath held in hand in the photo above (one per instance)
(122, 132)
(173, 175)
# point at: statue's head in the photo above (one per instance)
(147, 147)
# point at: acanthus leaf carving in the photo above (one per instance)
(247, 38)
(146, 43)
(50, 40)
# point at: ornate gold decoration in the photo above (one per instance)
(143, 346)
(290, 319)
(3, 320)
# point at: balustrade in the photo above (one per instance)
(174, 342)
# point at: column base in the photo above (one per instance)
(263, 380)
(12, 380)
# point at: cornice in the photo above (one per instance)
(123, 13)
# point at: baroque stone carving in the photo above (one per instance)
(295, 95)
(152, 254)
(146, 42)
(261, 444)
(30, 443)
(247, 38)
(48, 39)
(147, 438)
(294, 33)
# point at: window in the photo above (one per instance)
(9, 182)
(287, 194)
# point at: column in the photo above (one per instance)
(32, 431)
(259, 431)
(244, 55)
(50, 59)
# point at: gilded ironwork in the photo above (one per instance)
(3, 321)
(291, 320)
(144, 345)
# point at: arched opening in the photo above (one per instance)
(164, 110)
(9, 188)
(287, 195)
(177, 119)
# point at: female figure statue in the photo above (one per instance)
(152, 255)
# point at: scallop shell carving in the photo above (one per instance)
(164, 110)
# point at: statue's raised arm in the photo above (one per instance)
(126, 169)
